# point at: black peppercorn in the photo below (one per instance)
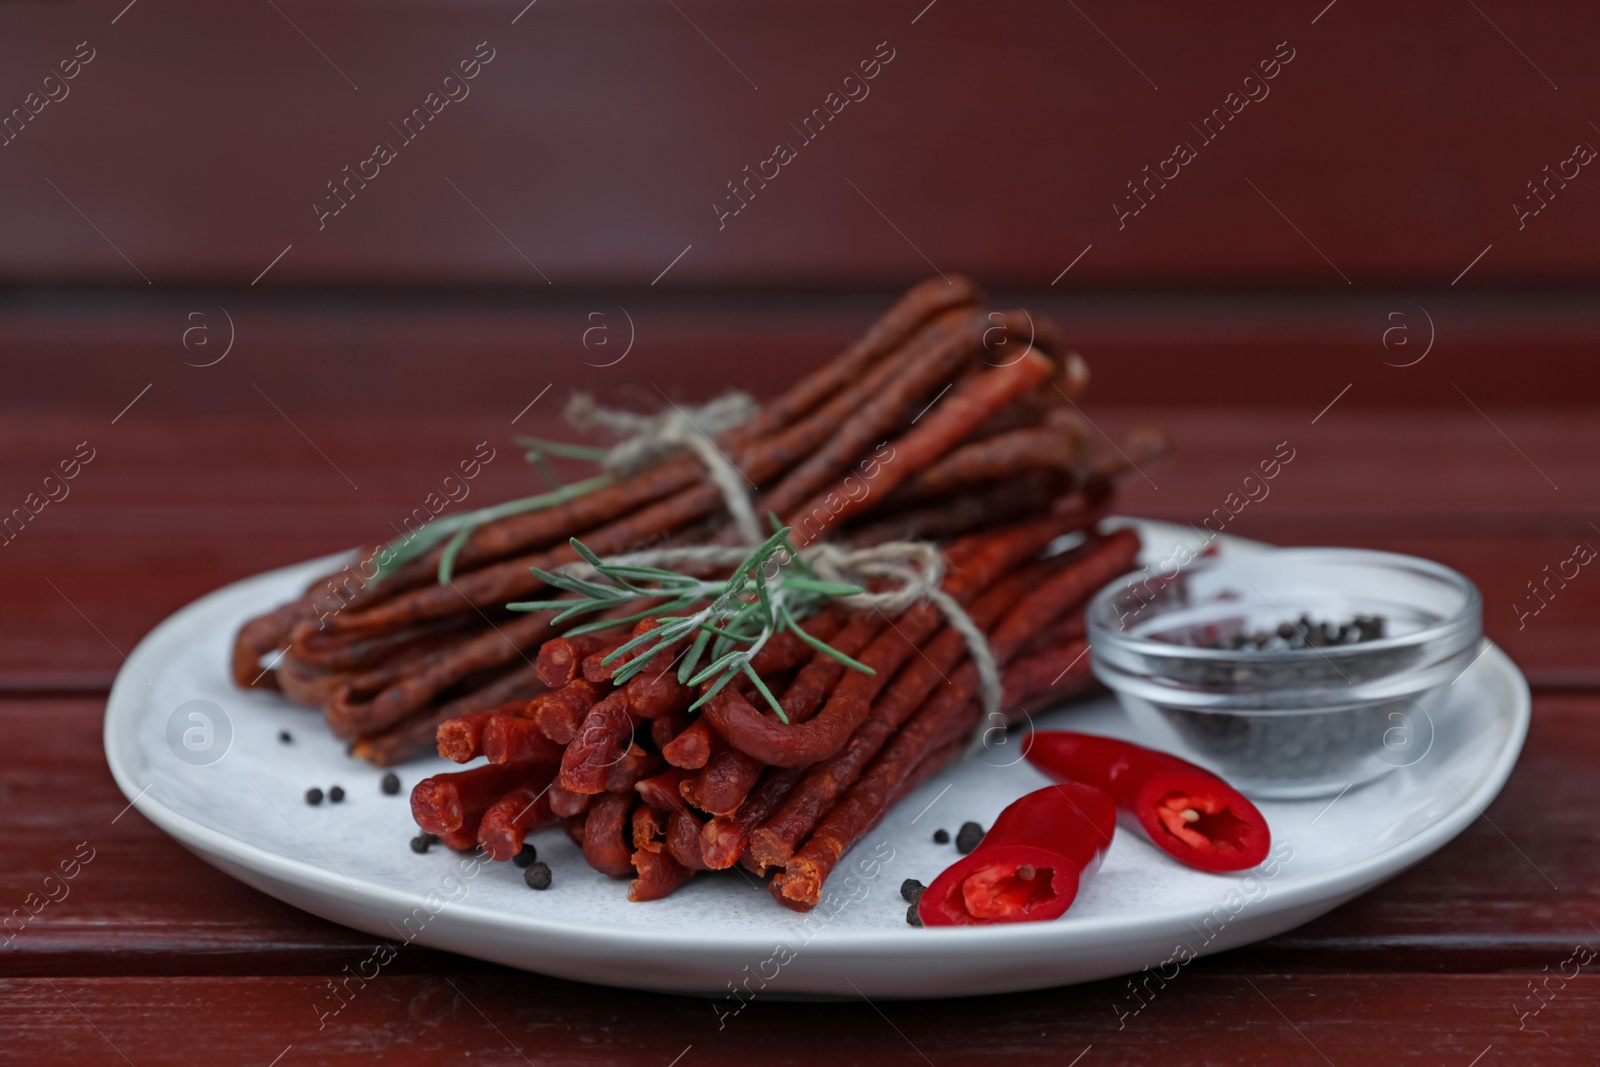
(390, 784)
(912, 918)
(968, 836)
(420, 843)
(911, 890)
(537, 876)
(526, 856)
(313, 796)
(284, 736)
(336, 793)
(941, 837)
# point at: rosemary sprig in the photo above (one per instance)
(773, 589)
(459, 527)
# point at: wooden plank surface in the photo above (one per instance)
(999, 139)
(213, 349)
(1201, 1018)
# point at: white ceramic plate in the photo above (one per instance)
(244, 813)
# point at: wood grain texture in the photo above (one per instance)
(1201, 1018)
(1395, 142)
(331, 350)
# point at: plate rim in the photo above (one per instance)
(122, 717)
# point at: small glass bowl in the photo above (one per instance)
(1280, 722)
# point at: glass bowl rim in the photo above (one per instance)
(1469, 613)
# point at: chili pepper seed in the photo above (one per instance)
(941, 837)
(313, 796)
(968, 836)
(390, 784)
(526, 856)
(537, 876)
(912, 890)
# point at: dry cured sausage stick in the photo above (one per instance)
(494, 585)
(683, 839)
(658, 875)
(459, 840)
(264, 635)
(649, 828)
(921, 302)
(635, 764)
(775, 841)
(533, 530)
(514, 739)
(693, 747)
(460, 740)
(1089, 568)
(951, 420)
(898, 388)
(1001, 456)
(446, 803)
(723, 784)
(1015, 498)
(724, 839)
(510, 818)
(983, 560)
(355, 652)
(595, 669)
(866, 802)
(560, 659)
(607, 833)
(357, 709)
(660, 791)
(1010, 332)
(559, 713)
(1063, 631)
(785, 650)
(1056, 676)
(927, 768)
(307, 684)
(601, 741)
(567, 804)
(304, 681)
(664, 729)
(415, 735)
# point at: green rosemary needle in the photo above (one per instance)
(772, 590)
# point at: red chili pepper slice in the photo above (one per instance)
(1031, 864)
(1186, 811)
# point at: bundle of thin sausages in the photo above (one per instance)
(943, 423)
(655, 794)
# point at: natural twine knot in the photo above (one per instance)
(915, 569)
(918, 566)
(648, 439)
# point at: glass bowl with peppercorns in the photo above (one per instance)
(1292, 672)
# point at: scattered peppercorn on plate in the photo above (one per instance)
(230, 773)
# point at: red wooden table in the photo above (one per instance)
(1357, 262)
(153, 957)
